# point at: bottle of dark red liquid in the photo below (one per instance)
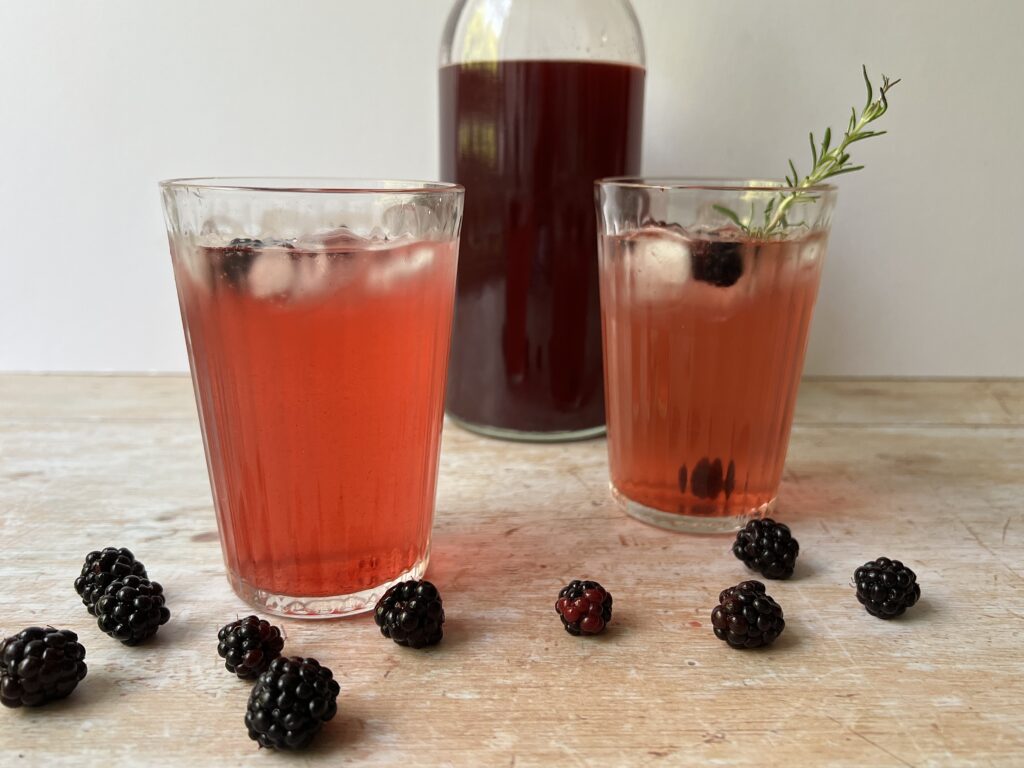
(539, 98)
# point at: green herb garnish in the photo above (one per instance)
(827, 161)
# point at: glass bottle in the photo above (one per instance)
(539, 98)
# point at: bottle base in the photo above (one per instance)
(323, 607)
(683, 523)
(520, 436)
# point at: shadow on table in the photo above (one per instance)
(923, 610)
(345, 731)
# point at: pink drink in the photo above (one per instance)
(704, 339)
(319, 374)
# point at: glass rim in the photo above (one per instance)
(331, 185)
(708, 183)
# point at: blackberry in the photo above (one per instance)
(39, 665)
(411, 614)
(886, 588)
(708, 479)
(717, 262)
(768, 547)
(131, 609)
(249, 645)
(238, 257)
(290, 702)
(746, 617)
(585, 607)
(101, 568)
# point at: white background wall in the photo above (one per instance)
(100, 99)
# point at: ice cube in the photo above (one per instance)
(315, 273)
(191, 262)
(422, 218)
(217, 230)
(406, 219)
(659, 260)
(811, 252)
(272, 272)
(395, 265)
(336, 239)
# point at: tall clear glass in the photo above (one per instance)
(705, 327)
(539, 98)
(317, 315)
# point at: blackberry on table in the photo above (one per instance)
(40, 665)
(717, 262)
(886, 588)
(768, 547)
(290, 702)
(102, 567)
(132, 609)
(411, 614)
(249, 645)
(746, 616)
(585, 607)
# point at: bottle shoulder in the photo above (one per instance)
(511, 30)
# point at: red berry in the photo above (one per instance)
(572, 611)
(585, 607)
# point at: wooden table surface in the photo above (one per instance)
(930, 472)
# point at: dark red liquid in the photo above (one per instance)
(528, 139)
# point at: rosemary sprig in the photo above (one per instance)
(827, 161)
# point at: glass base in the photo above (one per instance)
(530, 437)
(689, 523)
(329, 607)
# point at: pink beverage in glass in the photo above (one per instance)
(319, 370)
(705, 331)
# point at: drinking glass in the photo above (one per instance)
(317, 315)
(704, 319)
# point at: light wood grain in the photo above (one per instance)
(932, 472)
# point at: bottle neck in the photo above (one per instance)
(560, 30)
